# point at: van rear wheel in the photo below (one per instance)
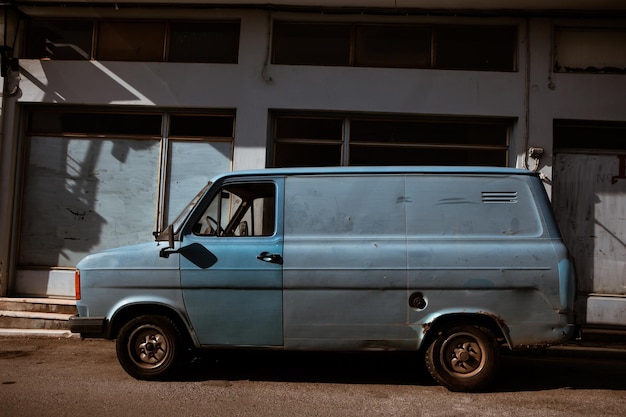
(149, 347)
(463, 358)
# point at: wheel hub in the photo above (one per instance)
(152, 349)
(464, 356)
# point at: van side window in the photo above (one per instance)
(240, 210)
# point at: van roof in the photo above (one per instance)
(356, 170)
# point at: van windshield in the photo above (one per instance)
(178, 222)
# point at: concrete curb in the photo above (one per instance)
(38, 333)
(35, 315)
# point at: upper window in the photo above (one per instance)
(311, 44)
(204, 42)
(487, 48)
(359, 140)
(401, 46)
(147, 41)
(58, 39)
(484, 48)
(586, 50)
(86, 123)
(130, 41)
(193, 125)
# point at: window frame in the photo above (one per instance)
(237, 213)
(347, 143)
(96, 40)
(351, 58)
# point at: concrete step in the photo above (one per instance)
(593, 336)
(36, 313)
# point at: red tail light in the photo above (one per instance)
(77, 283)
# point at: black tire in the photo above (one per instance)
(464, 358)
(150, 347)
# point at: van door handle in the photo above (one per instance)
(273, 258)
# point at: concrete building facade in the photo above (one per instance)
(119, 111)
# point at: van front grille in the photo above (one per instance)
(491, 197)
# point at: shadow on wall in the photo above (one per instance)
(68, 81)
(83, 195)
(590, 206)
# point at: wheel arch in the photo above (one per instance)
(130, 311)
(437, 325)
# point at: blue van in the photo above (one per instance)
(452, 262)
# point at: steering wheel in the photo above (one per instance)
(212, 229)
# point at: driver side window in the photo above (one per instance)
(239, 210)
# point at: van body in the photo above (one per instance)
(454, 262)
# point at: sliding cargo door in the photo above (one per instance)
(345, 263)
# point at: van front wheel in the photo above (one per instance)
(148, 347)
(463, 358)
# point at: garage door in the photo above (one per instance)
(590, 204)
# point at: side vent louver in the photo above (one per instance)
(494, 197)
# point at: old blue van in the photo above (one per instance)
(452, 262)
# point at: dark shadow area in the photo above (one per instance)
(312, 367)
(527, 371)
(537, 371)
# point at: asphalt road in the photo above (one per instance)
(73, 377)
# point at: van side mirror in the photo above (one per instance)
(170, 235)
(165, 252)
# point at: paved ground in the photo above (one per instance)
(67, 376)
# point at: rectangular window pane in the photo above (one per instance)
(58, 39)
(594, 51)
(392, 46)
(402, 155)
(240, 210)
(202, 126)
(476, 47)
(191, 165)
(302, 141)
(311, 44)
(309, 128)
(429, 132)
(306, 155)
(95, 123)
(213, 42)
(86, 195)
(582, 134)
(130, 41)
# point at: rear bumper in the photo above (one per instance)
(88, 327)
